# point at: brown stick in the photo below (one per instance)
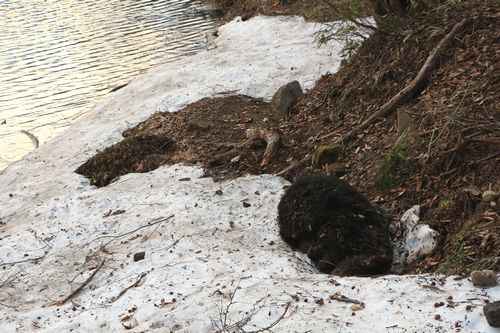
(417, 84)
(133, 285)
(77, 290)
(272, 139)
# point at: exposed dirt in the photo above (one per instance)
(447, 158)
(312, 10)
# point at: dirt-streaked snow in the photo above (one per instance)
(213, 244)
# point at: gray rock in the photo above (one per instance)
(485, 278)
(284, 98)
(492, 313)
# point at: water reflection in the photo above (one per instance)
(60, 56)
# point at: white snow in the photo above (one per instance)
(417, 239)
(213, 244)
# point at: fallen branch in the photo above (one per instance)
(135, 284)
(272, 139)
(80, 288)
(418, 83)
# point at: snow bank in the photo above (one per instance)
(53, 224)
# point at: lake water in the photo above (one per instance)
(59, 57)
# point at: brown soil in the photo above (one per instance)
(312, 10)
(448, 159)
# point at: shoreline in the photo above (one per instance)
(215, 247)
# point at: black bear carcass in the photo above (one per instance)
(336, 226)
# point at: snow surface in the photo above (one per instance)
(213, 245)
(417, 239)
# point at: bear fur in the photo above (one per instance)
(336, 226)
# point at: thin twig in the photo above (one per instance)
(486, 158)
(225, 322)
(115, 237)
(24, 260)
(133, 285)
(33, 138)
(267, 328)
(80, 288)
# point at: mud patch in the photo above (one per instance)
(195, 135)
(140, 153)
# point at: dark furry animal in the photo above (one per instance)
(340, 230)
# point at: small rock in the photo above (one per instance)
(492, 313)
(490, 196)
(139, 256)
(358, 307)
(319, 301)
(246, 204)
(219, 192)
(485, 278)
(186, 179)
(284, 98)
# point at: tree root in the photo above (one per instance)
(271, 137)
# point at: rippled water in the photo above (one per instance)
(58, 57)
